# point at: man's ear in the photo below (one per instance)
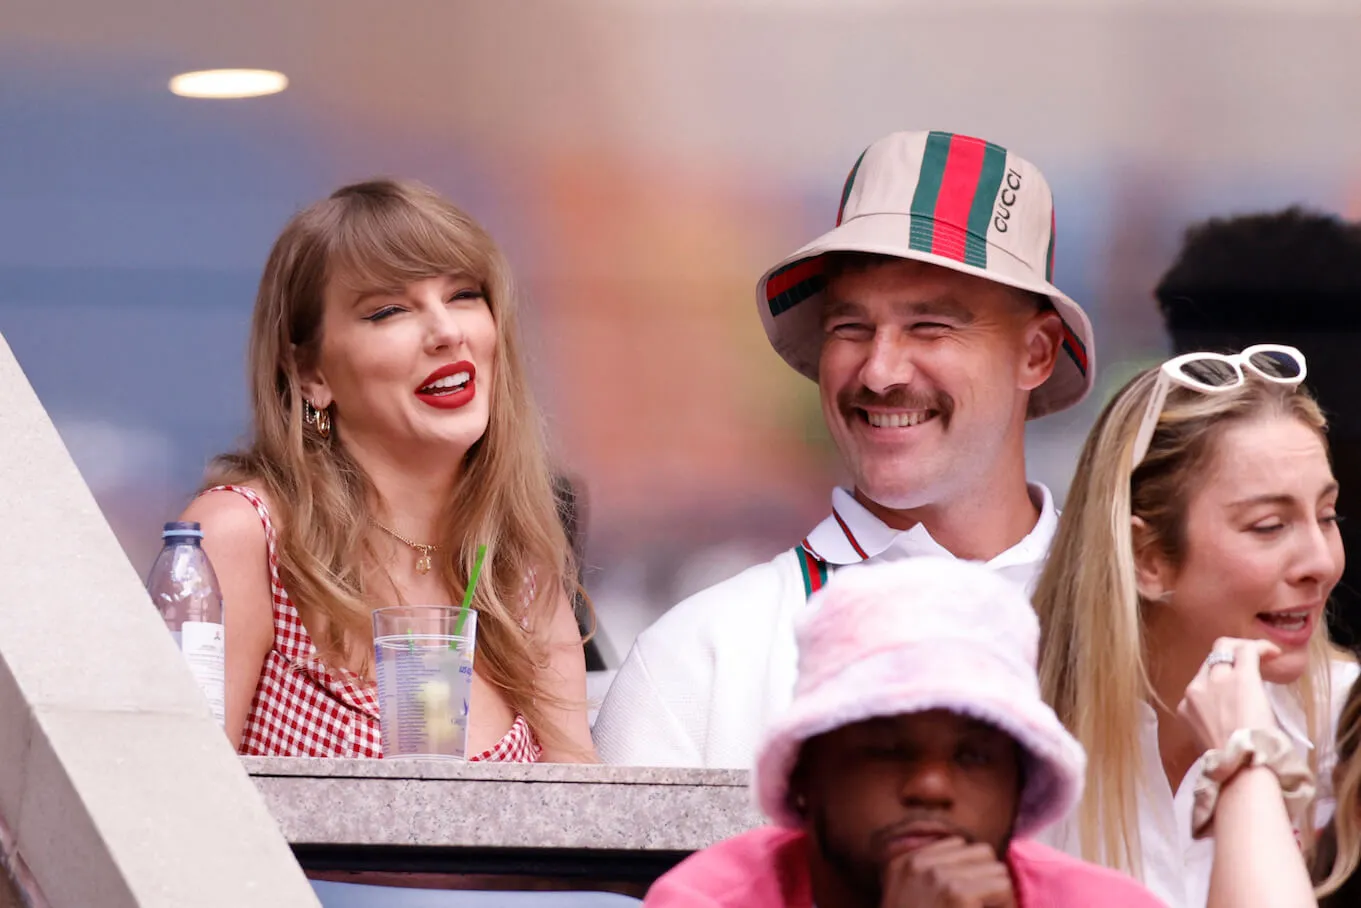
(311, 381)
(1043, 339)
(1152, 571)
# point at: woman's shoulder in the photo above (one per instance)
(232, 514)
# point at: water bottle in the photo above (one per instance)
(184, 590)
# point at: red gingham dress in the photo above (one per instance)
(303, 708)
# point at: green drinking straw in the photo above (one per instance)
(468, 595)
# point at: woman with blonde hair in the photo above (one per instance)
(1203, 507)
(1337, 865)
(394, 433)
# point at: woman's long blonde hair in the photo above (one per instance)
(1093, 668)
(1347, 791)
(383, 235)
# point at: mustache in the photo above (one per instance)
(881, 837)
(898, 398)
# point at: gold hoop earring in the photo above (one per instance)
(320, 417)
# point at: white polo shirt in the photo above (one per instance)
(701, 684)
(1177, 867)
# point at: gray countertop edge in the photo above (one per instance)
(569, 773)
(452, 805)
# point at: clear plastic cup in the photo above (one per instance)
(424, 667)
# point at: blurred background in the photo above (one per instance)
(642, 162)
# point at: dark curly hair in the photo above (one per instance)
(1292, 270)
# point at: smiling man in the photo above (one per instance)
(929, 321)
(913, 764)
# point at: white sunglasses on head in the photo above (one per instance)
(1210, 373)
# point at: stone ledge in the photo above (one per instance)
(117, 788)
(469, 805)
(584, 773)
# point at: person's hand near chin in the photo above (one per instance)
(949, 873)
(1257, 861)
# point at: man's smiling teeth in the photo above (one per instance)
(1287, 621)
(897, 420)
(456, 380)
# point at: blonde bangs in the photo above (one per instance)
(382, 242)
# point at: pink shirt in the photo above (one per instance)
(768, 868)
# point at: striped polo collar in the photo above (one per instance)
(852, 534)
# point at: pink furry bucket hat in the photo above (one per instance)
(917, 635)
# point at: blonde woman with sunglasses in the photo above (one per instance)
(1203, 507)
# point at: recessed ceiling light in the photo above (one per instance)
(228, 83)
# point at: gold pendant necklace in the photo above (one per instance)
(423, 562)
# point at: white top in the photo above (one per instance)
(1175, 866)
(700, 685)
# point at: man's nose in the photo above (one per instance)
(928, 783)
(888, 363)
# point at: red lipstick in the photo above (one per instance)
(449, 396)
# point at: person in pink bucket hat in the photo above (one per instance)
(929, 319)
(913, 764)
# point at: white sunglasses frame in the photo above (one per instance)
(1170, 373)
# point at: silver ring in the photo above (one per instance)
(1220, 657)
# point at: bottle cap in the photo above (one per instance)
(181, 529)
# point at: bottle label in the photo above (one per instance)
(204, 649)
